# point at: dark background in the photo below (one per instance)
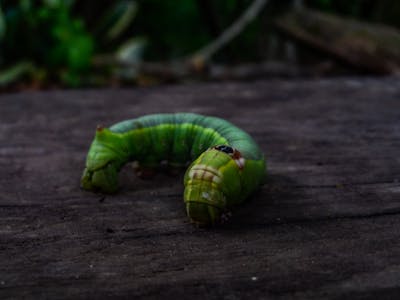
(47, 44)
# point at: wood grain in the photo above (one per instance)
(326, 225)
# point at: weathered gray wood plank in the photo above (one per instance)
(325, 225)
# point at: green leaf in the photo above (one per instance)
(15, 72)
(71, 79)
(80, 52)
(131, 51)
(25, 5)
(117, 20)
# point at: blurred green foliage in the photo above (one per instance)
(177, 28)
(58, 41)
(48, 36)
(46, 42)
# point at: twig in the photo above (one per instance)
(170, 72)
(204, 54)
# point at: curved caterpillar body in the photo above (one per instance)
(227, 165)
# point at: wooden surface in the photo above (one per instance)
(326, 225)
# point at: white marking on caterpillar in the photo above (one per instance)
(205, 195)
(206, 173)
(240, 162)
(217, 179)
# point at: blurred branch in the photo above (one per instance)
(367, 47)
(124, 13)
(12, 74)
(194, 65)
(172, 72)
(249, 71)
(203, 55)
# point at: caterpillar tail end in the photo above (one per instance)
(202, 214)
(204, 207)
(103, 180)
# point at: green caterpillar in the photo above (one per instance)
(227, 165)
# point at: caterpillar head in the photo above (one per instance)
(103, 179)
(212, 182)
(102, 164)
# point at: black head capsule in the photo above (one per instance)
(224, 148)
(232, 152)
